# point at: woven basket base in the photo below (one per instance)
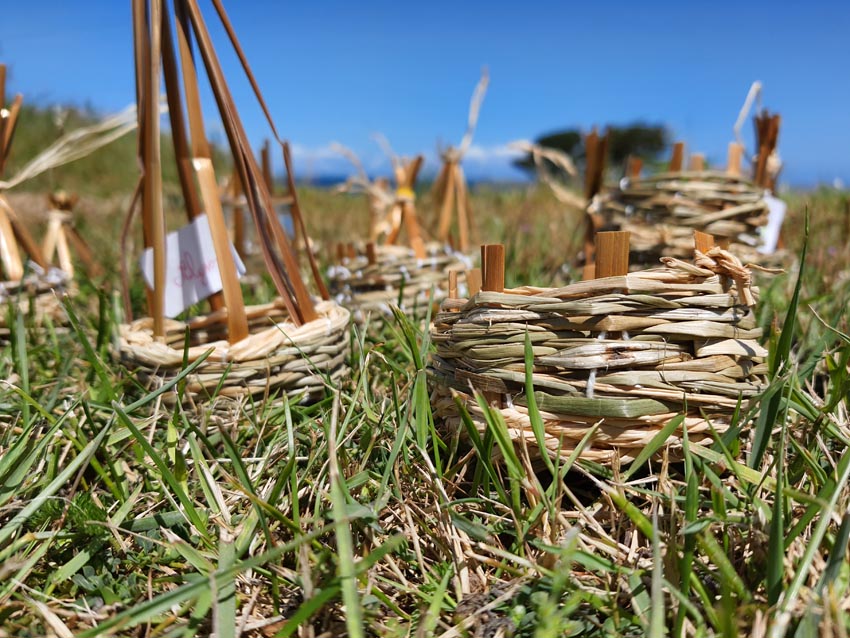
(613, 438)
(276, 359)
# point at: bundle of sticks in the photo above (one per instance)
(231, 328)
(372, 276)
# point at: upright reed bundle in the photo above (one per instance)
(37, 286)
(290, 346)
(375, 276)
(620, 355)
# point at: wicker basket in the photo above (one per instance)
(661, 212)
(629, 353)
(38, 292)
(396, 278)
(276, 358)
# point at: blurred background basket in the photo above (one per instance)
(38, 292)
(372, 280)
(662, 212)
(624, 354)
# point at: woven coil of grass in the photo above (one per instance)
(628, 353)
(277, 357)
(38, 292)
(394, 277)
(662, 211)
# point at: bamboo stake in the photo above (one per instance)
(677, 158)
(733, 164)
(452, 284)
(612, 254)
(286, 275)
(463, 222)
(237, 319)
(408, 175)
(238, 217)
(152, 194)
(179, 136)
(697, 162)
(634, 165)
(266, 161)
(493, 265)
(448, 192)
(703, 242)
(9, 255)
(473, 281)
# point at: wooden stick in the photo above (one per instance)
(493, 265)
(350, 250)
(266, 161)
(612, 254)
(588, 272)
(634, 165)
(453, 284)
(2, 85)
(678, 157)
(9, 129)
(591, 155)
(371, 254)
(376, 207)
(237, 319)
(9, 254)
(703, 242)
(446, 179)
(733, 164)
(473, 281)
(697, 162)
(462, 212)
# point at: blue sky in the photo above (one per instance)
(341, 71)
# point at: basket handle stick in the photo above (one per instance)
(612, 254)
(703, 242)
(493, 265)
(733, 164)
(677, 158)
(473, 281)
(697, 162)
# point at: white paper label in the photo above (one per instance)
(775, 217)
(191, 269)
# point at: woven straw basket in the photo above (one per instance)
(37, 292)
(396, 278)
(277, 357)
(628, 353)
(662, 211)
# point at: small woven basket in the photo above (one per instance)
(628, 353)
(395, 277)
(38, 292)
(277, 358)
(662, 211)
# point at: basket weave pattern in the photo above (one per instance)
(628, 353)
(37, 291)
(396, 278)
(277, 356)
(661, 212)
